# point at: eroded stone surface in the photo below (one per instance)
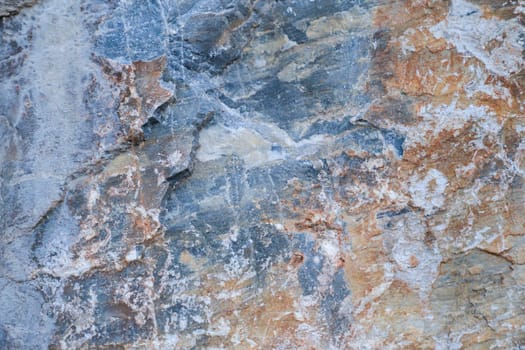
(262, 174)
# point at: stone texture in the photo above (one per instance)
(245, 174)
(12, 7)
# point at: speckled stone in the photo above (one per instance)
(243, 174)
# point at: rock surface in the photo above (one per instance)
(243, 174)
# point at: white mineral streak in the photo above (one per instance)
(417, 263)
(520, 9)
(478, 85)
(132, 255)
(428, 192)
(253, 148)
(468, 30)
(54, 82)
(255, 144)
(434, 120)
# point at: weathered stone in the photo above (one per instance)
(12, 7)
(262, 174)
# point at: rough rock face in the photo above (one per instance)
(243, 174)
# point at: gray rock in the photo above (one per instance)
(243, 174)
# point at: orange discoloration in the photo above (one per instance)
(414, 262)
(416, 70)
(400, 15)
(140, 93)
(297, 259)
(427, 73)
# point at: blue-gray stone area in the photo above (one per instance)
(218, 214)
(22, 316)
(229, 47)
(134, 31)
(221, 200)
(226, 71)
(291, 99)
(13, 51)
(493, 285)
(217, 211)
